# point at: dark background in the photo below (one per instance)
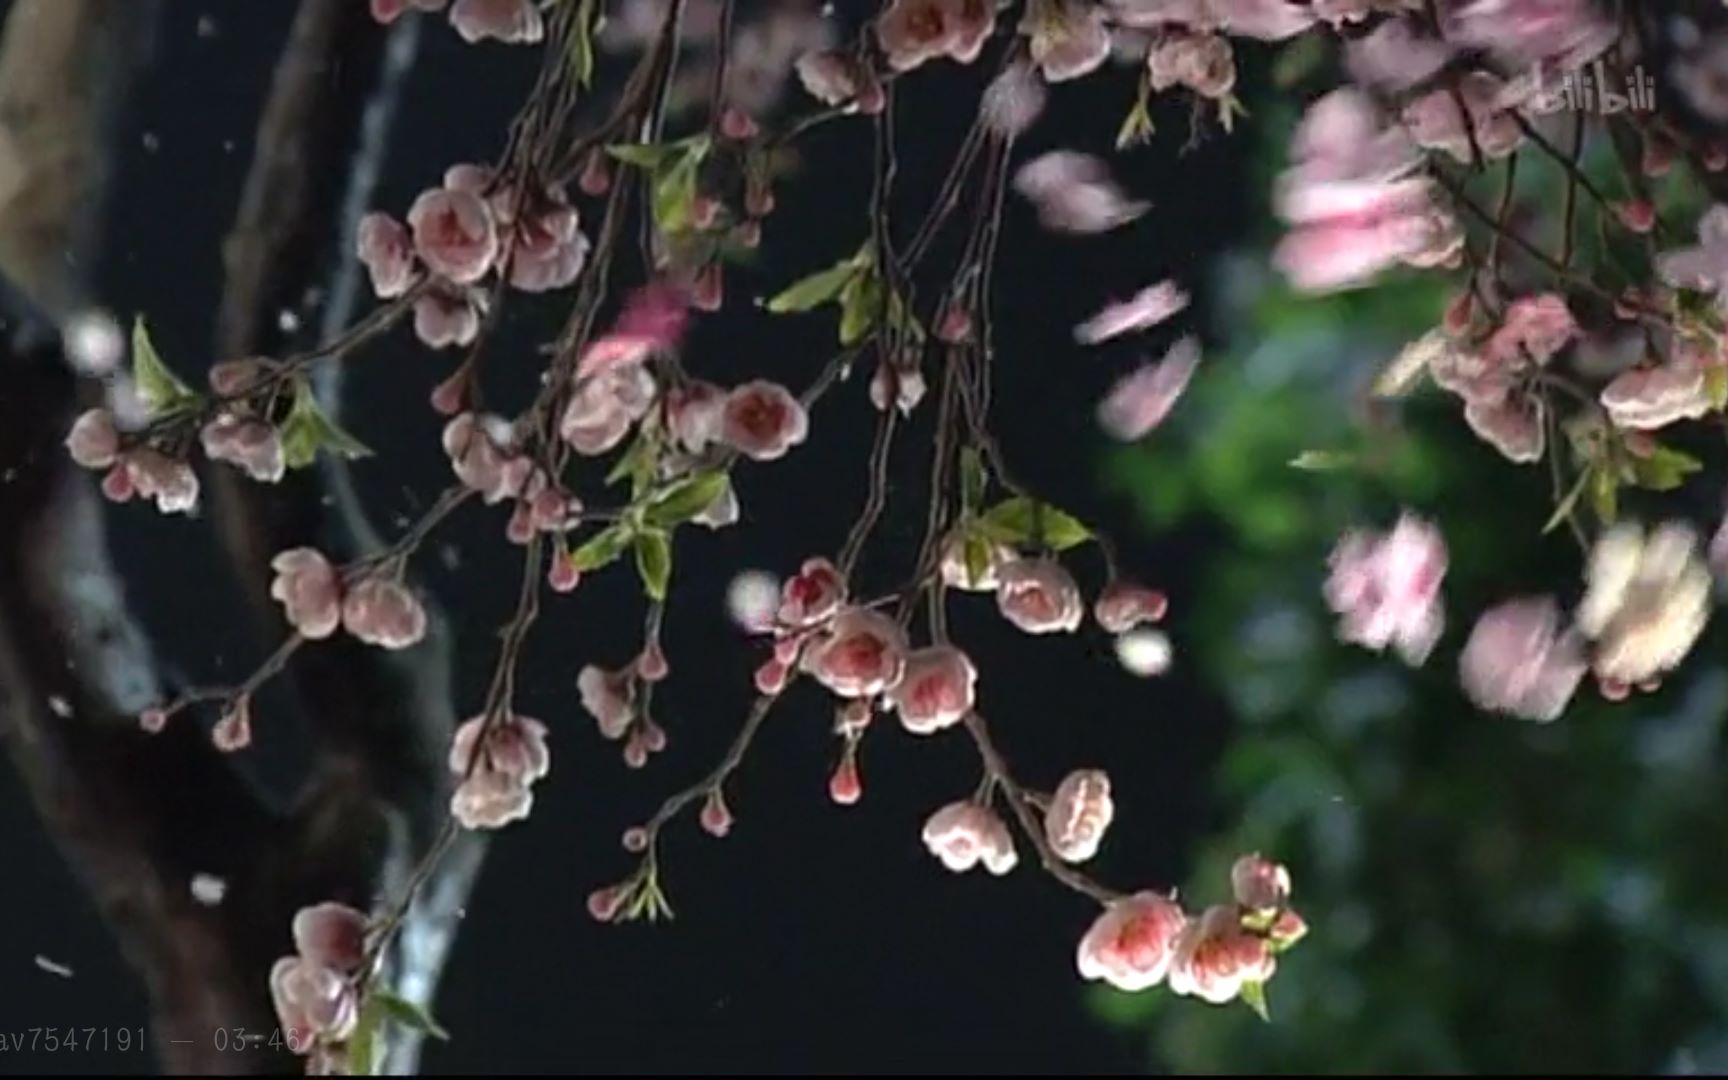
(815, 937)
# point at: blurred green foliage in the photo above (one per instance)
(1485, 894)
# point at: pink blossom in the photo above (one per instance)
(1215, 957)
(497, 775)
(836, 78)
(1648, 600)
(1386, 587)
(723, 511)
(387, 251)
(1266, 20)
(309, 591)
(814, 594)
(964, 834)
(1079, 813)
(547, 248)
(1648, 398)
(604, 407)
(936, 691)
(236, 378)
(331, 934)
(762, 420)
(1013, 101)
(1204, 63)
(389, 10)
(509, 21)
(94, 442)
(1557, 34)
(454, 233)
(483, 455)
(1436, 123)
(716, 817)
(957, 575)
(1535, 327)
(1039, 596)
(1074, 193)
(1141, 400)
(448, 316)
(385, 613)
(900, 387)
(1519, 662)
(1069, 37)
(154, 475)
(1131, 945)
(1145, 309)
(653, 320)
(233, 730)
(861, 654)
(1123, 605)
(247, 443)
(1704, 267)
(312, 1003)
(913, 31)
(694, 412)
(608, 696)
(1259, 884)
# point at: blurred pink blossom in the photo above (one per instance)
(1518, 660)
(1140, 401)
(1386, 587)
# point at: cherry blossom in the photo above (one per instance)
(653, 319)
(1122, 606)
(1386, 587)
(1145, 309)
(1069, 37)
(1704, 267)
(309, 591)
(509, 21)
(1557, 34)
(1267, 20)
(1079, 813)
(233, 730)
(1204, 63)
(1140, 401)
(694, 413)
(1647, 600)
(236, 378)
(455, 234)
(448, 316)
(1132, 944)
(386, 250)
(1518, 660)
(965, 834)
(1073, 192)
(861, 654)
(389, 10)
(1039, 596)
(94, 442)
(1013, 101)
(1396, 55)
(608, 696)
(913, 31)
(1435, 121)
(1215, 957)
(312, 1002)
(604, 407)
(151, 474)
(762, 420)
(1648, 398)
(1259, 884)
(497, 776)
(814, 594)
(383, 612)
(936, 691)
(957, 574)
(482, 454)
(331, 934)
(246, 442)
(832, 77)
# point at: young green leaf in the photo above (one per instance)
(972, 480)
(1022, 521)
(1254, 996)
(601, 548)
(157, 385)
(1664, 469)
(859, 301)
(654, 561)
(977, 551)
(1716, 386)
(308, 429)
(687, 498)
(1605, 495)
(1564, 509)
(410, 1015)
(363, 1043)
(582, 45)
(1323, 460)
(815, 289)
(649, 156)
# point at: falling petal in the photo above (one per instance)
(1141, 401)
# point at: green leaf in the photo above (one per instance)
(1254, 996)
(972, 479)
(308, 429)
(1323, 460)
(649, 156)
(815, 289)
(582, 45)
(675, 185)
(1024, 521)
(654, 561)
(1136, 126)
(1605, 495)
(859, 302)
(410, 1015)
(978, 552)
(157, 385)
(1664, 469)
(687, 498)
(362, 1045)
(601, 548)
(636, 463)
(1716, 386)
